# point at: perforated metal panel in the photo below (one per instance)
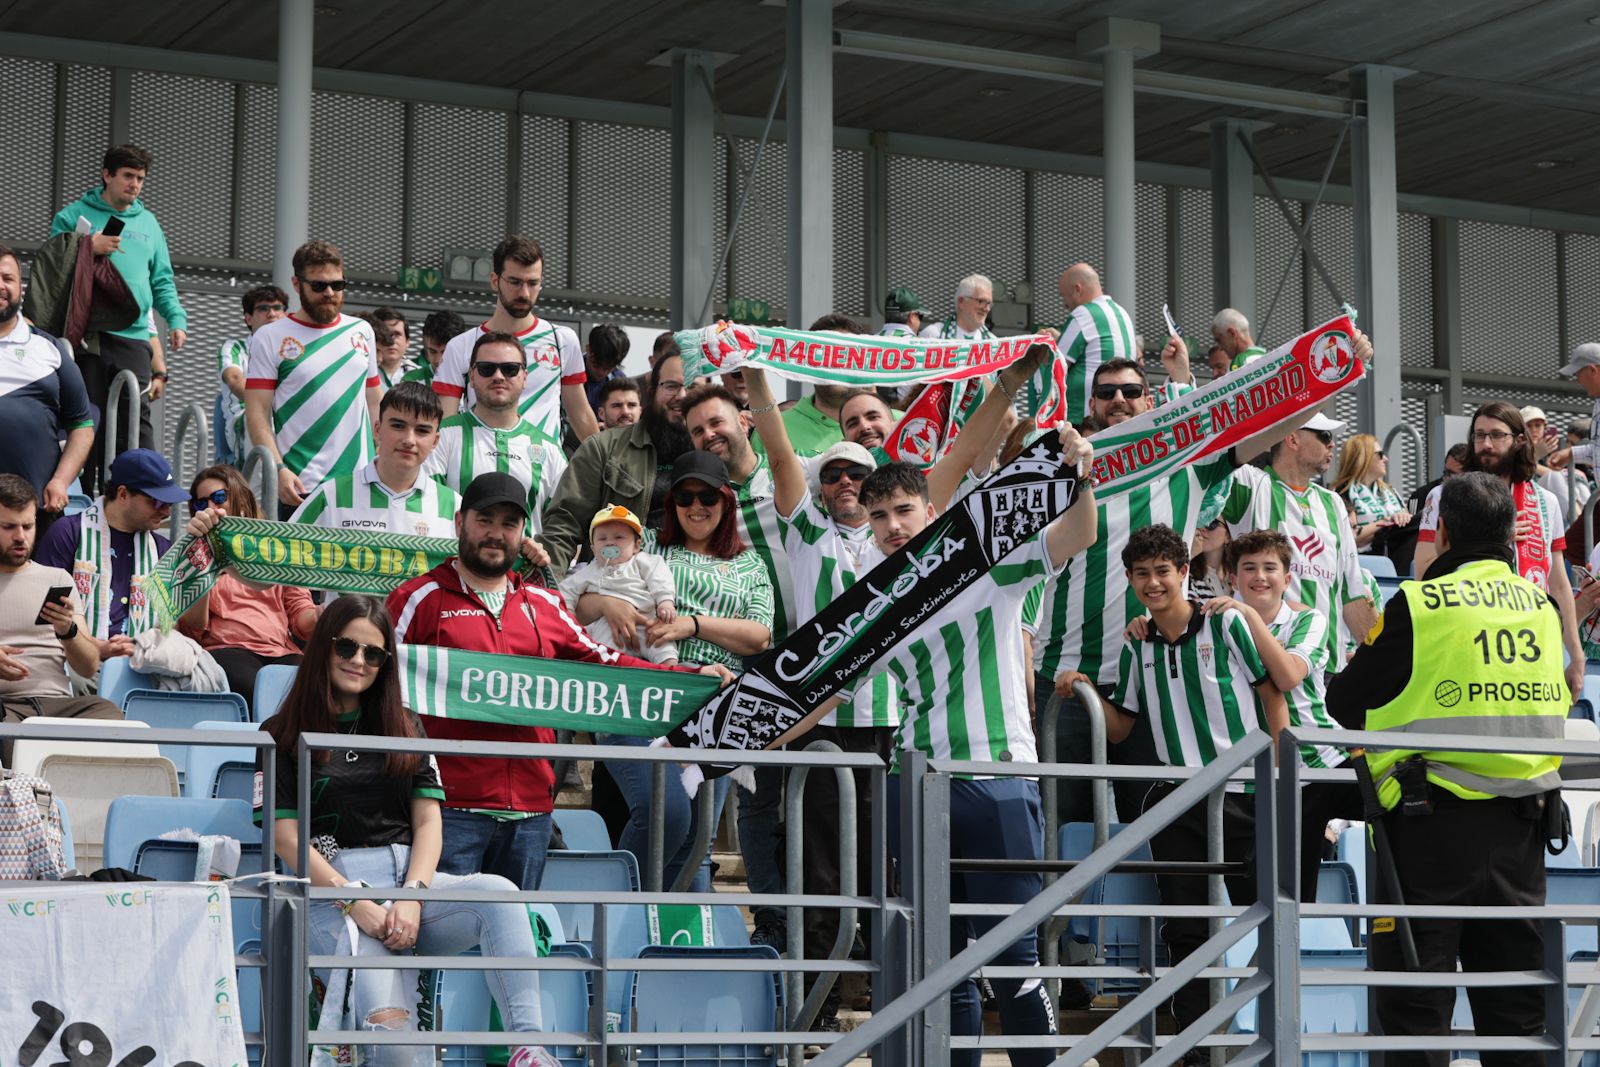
(187, 125)
(458, 180)
(948, 220)
(258, 174)
(1277, 260)
(1561, 407)
(1508, 315)
(1416, 290)
(1191, 304)
(87, 134)
(1067, 229)
(850, 233)
(1583, 288)
(623, 228)
(1333, 236)
(545, 193)
(1406, 468)
(1150, 234)
(357, 178)
(29, 91)
(756, 267)
(214, 317)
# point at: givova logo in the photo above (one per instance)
(31, 909)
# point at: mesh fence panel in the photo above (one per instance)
(1277, 261)
(950, 219)
(850, 294)
(623, 229)
(1416, 290)
(214, 317)
(87, 134)
(1583, 288)
(355, 194)
(258, 170)
(1150, 233)
(1508, 316)
(1191, 304)
(29, 89)
(1333, 236)
(756, 265)
(458, 181)
(545, 193)
(187, 124)
(1066, 230)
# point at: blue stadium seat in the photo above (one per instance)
(1378, 566)
(76, 502)
(1324, 942)
(564, 998)
(118, 679)
(272, 685)
(134, 820)
(1116, 938)
(182, 711)
(1352, 849)
(1575, 885)
(68, 851)
(1387, 587)
(1572, 855)
(1336, 884)
(611, 871)
(706, 999)
(221, 772)
(582, 829)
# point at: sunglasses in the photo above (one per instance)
(489, 370)
(707, 497)
(1129, 391)
(218, 497)
(372, 655)
(1325, 436)
(855, 471)
(1381, 454)
(336, 284)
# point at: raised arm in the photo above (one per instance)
(788, 472)
(944, 477)
(1078, 527)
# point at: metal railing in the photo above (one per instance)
(1419, 448)
(125, 384)
(181, 474)
(258, 456)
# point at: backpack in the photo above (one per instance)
(30, 830)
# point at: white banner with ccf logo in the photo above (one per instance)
(124, 973)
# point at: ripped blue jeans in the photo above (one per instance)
(379, 1000)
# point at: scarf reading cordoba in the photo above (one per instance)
(845, 359)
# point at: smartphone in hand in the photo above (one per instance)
(57, 595)
(113, 227)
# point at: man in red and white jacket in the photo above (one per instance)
(496, 811)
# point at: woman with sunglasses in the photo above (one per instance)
(375, 823)
(244, 627)
(1362, 480)
(724, 613)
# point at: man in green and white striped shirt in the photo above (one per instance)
(1197, 678)
(1097, 331)
(493, 435)
(1231, 331)
(262, 304)
(391, 494)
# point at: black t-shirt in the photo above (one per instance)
(354, 804)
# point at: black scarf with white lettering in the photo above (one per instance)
(888, 606)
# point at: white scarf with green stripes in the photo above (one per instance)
(91, 573)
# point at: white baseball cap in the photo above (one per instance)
(1585, 355)
(1532, 412)
(1319, 421)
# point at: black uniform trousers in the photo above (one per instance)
(1474, 853)
(116, 354)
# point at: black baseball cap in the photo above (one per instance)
(495, 487)
(701, 466)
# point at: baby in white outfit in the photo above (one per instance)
(619, 569)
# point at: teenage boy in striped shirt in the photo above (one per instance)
(391, 494)
(1202, 681)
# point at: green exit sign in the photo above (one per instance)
(754, 312)
(421, 279)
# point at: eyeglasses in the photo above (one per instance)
(218, 497)
(372, 655)
(1129, 391)
(1497, 436)
(336, 284)
(707, 497)
(670, 385)
(855, 472)
(267, 307)
(981, 302)
(489, 370)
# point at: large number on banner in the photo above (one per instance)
(82, 1043)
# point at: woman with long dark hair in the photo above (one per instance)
(375, 823)
(244, 627)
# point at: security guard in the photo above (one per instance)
(1471, 649)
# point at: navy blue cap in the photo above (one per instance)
(146, 471)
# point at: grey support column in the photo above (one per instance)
(292, 223)
(808, 113)
(1118, 42)
(1377, 214)
(1233, 220)
(694, 205)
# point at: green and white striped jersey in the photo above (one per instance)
(1324, 568)
(761, 530)
(360, 501)
(467, 448)
(555, 358)
(950, 330)
(826, 559)
(388, 380)
(1305, 634)
(318, 376)
(234, 354)
(734, 588)
(1094, 333)
(963, 677)
(896, 329)
(1200, 689)
(1348, 642)
(1087, 607)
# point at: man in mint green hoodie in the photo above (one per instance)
(140, 256)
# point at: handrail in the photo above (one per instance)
(1416, 443)
(180, 473)
(1588, 523)
(1573, 508)
(125, 383)
(705, 829)
(268, 497)
(794, 862)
